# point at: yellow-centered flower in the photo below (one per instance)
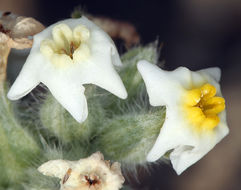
(64, 57)
(195, 112)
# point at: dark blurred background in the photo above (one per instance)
(195, 34)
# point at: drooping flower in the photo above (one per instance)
(67, 55)
(92, 173)
(195, 112)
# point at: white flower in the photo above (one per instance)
(195, 116)
(67, 55)
(92, 173)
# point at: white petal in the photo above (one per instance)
(27, 79)
(183, 76)
(55, 168)
(214, 72)
(100, 38)
(115, 56)
(174, 132)
(99, 69)
(106, 78)
(222, 129)
(187, 147)
(98, 35)
(70, 95)
(161, 88)
(184, 156)
(101, 72)
(160, 148)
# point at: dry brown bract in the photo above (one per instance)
(92, 173)
(15, 32)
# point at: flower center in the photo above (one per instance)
(202, 107)
(92, 180)
(67, 46)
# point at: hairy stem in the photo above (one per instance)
(4, 52)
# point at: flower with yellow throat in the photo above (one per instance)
(64, 57)
(195, 112)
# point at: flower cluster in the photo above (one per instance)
(75, 52)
